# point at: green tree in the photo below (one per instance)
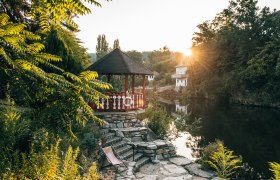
(61, 13)
(64, 44)
(116, 44)
(44, 100)
(101, 47)
(135, 55)
(225, 48)
(57, 99)
(16, 9)
(23, 61)
(43, 14)
(162, 61)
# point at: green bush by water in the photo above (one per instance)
(158, 119)
(222, 160)
(275, 169)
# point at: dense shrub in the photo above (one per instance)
(222, 160)
(158, 119)
(207, 151)
(275, 169)
(49, 162)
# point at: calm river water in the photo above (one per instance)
(253, 133)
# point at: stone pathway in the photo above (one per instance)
(177, 168)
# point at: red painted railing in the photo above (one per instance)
(120, 102)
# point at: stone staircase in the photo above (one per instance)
(122, 149)
(123, 131)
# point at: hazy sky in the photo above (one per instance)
(150, 24)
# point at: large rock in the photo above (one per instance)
(180, 161)
(196, 169)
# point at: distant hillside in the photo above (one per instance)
(92, 57)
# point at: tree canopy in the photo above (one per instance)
(46, 91)
(236, 54)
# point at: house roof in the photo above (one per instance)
(117, 62)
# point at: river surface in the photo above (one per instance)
(253, 133)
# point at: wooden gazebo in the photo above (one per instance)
(119, 63)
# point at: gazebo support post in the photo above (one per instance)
(126, 83)
(108, 78)
(143, 90)
(132, 83)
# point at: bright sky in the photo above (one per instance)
(146, 25)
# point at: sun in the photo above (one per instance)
(188, 52)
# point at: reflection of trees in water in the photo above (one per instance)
(252, 133)
(184, 122)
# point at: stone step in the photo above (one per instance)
(122, 150)
(113, 141)
(130, 129)
(109, 135)
(104, 131)
(141, 162)
(137, 156)
(119, 144)
(126, 155)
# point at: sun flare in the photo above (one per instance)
(188, 52)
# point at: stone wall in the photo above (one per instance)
(120, 119)
(159, 149)
(133, 134)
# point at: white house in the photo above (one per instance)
(181, 76)
(181, 108)
(152, 77)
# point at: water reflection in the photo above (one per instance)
(252, 133)
(186, 144)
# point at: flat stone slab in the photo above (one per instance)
(131, 129)
(160, 142)
(217, 178)
(196, 169)
(146, 177)
(180, 161)
(199, 178)
(183, 177)
(163, 169)
(170, 169)
(150, 169)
